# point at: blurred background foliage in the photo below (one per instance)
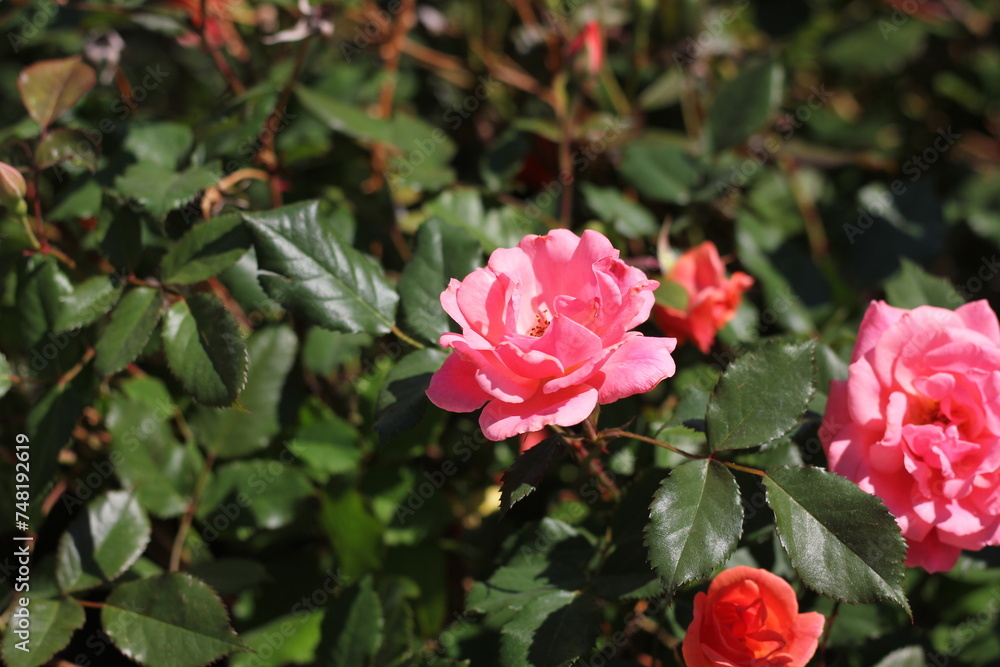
(836, 150)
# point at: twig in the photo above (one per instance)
(178, 547)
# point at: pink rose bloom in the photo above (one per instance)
(545, 335)
(917, 423)
(713, 299)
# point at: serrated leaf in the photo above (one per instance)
(160, 189)
(50, 424)
(232, 433)
(695, 522)
(842, 541)
(89, 300)
(208, 249)
(132, 323)
(51, 87)
(402, 399)
(299, 648)
(305, 266)
(168, 620)
(352, 627)
(64, 145)
(51, 626)
(443, 252)
(102, 542)
(553, 630)
(527, 471)
(354, 532)
(346, 118)
(913, 287)
(761, 395)
(743, 104)
(205, 350)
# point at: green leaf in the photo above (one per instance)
(51, 626)
(672, 295)
(354, 532)
(695, 522)
(51, 87)
(163, 144)
(910, 656)
(352, 627)
(553, 630)
(205, 350)
(297, 648)
(160, 189)
(527, 472)
(148, 460)
(132, 323)
(276, 493)
(761, 396)
(628, 218)
(913, 287)
(402, 400)
(168, 620)
(232, 433)
(498, 228)
(842, 541)
(89, 300)
(443, 252)
(346, 118)
(548, 556)
(306, 266)
(64, 145)
(102, 542)
(744, 104)
(208, 249)
(659, 169)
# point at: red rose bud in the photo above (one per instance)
(589, 38)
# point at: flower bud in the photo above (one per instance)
(12, 186)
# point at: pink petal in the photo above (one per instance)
(454, 388)
(979, 316)
(565, 408)
(635, 367)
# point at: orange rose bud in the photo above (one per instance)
(712, 298)
(750, 617)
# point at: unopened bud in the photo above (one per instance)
(12, 186)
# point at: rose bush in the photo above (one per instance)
(917, 423)
(712, 298)
(546, 335)
(750, 617)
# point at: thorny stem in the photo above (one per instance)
(274, 119)
(828, 631)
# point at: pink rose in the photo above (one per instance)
(545, 335)
(750, 617)
(712, 297)
(917, 423)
